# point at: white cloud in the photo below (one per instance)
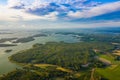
(43, 7)
(8, 14)
(52, 15)
(59, 1)
(25, 10)
(11, 12)
(96, 11)
(15, 3)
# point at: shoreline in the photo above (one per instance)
(19, 64)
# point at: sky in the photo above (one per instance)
(42, 14)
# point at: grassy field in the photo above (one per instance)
(49, 65)
(107, 57)
(111, 72)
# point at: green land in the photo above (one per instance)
(92, 59)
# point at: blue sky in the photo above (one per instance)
(59, 13)
(106, 1)
(3, 1)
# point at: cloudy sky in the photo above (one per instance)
(34, 14)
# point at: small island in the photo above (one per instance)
(7, 45)
(6, 39)
(8, 51)
(29, 38)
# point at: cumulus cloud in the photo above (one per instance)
(7, 14)
(54, 9)
(59, 1)
(16, 4)
(43, 7)
(96, 11)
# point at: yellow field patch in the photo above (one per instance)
(43, 65)
(63, 69)
(105, 60)
(77, 75)
(57, 67)
(117, 52)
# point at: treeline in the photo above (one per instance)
(69, 55)
(109, 38)
(48, 73)
(95, 37)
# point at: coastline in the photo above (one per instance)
(19, 64)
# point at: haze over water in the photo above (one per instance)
(6, 65)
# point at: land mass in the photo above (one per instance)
(7, 45)
(95, 58)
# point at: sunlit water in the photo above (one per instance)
(7, 66)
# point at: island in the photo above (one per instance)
(29, 38)
(7, 45)
(8, 51)
(6, 39)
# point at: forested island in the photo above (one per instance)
(95, 58)
(7, 45)
(8, 51)
(29, 39)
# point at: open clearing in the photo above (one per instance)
(117, 52)
(50, 65)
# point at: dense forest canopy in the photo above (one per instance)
(71, 55)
